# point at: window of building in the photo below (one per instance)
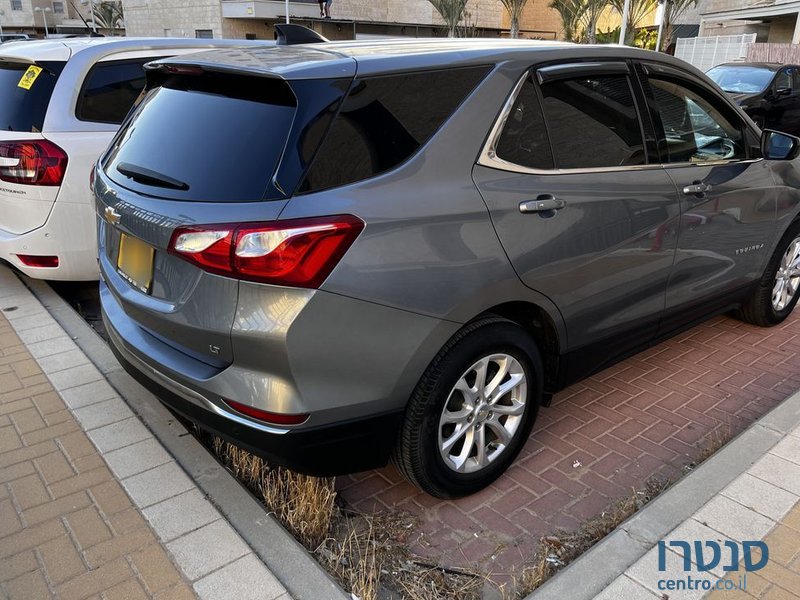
(694, 129)
(110, 91)
(249, 36)
(58, 8)
(204, 34)
(593, 122)
(385, 120)
(16, 4)
(524, 139)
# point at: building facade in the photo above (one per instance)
(255, 19)
(773, 21)
(22, 16)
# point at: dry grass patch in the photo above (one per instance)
(367, 554)
(557, 551)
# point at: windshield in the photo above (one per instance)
(25, 92)
(741, 79)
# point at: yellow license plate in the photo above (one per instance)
(135, 262)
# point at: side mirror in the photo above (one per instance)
(779, 146)
(783, 91)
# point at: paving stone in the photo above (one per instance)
(157, 484)
(89, 393)
(779, 472)
(138, 457)
(155, 568)
(624, 588)
(119, 434)
(244, 579)
(30, 586)
(63, 360)
(760, 496)
(102, 413)
(227, 544)
(88, 527)
(75, 376)
(180, 514)
(61, 559)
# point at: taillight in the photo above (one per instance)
(297, 253)
(34, 162)
(268, 417)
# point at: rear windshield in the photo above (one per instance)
(209, 138)
(25, 93)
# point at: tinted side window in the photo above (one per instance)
(524, 139)
(695, 130)
(783, 80)
(593, 122)
(384, 121)
(110, 90)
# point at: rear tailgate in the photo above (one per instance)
(25, 91)
(195, 151)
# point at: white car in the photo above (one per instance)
(60, 104)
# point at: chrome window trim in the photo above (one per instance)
(488, 156)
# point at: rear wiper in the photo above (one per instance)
(149, 177)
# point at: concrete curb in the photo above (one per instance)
(609, 559)
(286, 558)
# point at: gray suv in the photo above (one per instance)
(337, 254)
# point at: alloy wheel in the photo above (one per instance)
(482, 413)
(787, 278)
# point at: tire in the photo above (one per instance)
(762, 308)
(500, 421)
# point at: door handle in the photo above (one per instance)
(542, 204)
(698, 188)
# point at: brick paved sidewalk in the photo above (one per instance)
(761, 504)
(66, 525)
(91, 504)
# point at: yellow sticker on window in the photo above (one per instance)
(29, 77)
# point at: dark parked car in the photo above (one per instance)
(338, 253)
(768, 92)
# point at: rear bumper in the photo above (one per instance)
(323, 451)
(68, 233)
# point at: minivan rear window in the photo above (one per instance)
(209, 138)
(23, 107)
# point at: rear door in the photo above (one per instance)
(727, 193)
(584, 216)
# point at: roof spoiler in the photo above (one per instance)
(287, 34)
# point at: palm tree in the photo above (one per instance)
(452, 11)
(639, 9)
(108, 14)
(673, 9)
(514, 9)
(591, 15)
(571, 12)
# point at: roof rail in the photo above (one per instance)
(287, 34)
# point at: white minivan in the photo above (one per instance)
(60, 104)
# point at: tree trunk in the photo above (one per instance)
(514, 27)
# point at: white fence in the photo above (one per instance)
(707, 52)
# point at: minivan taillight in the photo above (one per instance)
(33, 162)
(296, 253)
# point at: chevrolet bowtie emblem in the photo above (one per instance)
(112, 216)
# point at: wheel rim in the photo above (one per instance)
(482, 413)
(787, 279)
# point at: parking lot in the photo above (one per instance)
(650, 415)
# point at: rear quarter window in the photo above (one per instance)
(24, 109)
(109, 91)
(384, 120)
